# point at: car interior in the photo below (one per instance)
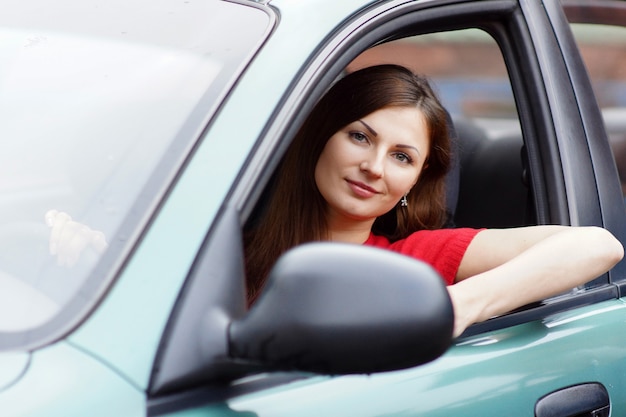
(493, 189)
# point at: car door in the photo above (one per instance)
(563, 356)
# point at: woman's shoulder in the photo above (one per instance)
(437, 237)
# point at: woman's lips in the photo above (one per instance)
(361, 189)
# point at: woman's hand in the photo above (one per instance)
(68, 238)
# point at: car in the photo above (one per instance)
(152, 128)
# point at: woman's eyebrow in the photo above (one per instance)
(368, 127)
(409, 147)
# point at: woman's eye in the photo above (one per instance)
(358, 136)
(404, 158)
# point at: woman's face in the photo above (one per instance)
(366, 167)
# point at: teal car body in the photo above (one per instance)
(211, 93)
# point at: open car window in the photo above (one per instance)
(469, 72)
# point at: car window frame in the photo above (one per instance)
(535, 118)
(536, 114)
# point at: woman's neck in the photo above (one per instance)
(350, 232)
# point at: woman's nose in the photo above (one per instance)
(373, 166)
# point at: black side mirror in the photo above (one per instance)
(339, 309)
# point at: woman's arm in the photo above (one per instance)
(510, 268)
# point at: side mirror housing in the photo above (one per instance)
(341, 309)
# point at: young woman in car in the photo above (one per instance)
(368, 167)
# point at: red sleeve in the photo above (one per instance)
(443, 249)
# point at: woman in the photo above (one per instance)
(368, 167)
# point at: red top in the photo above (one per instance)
(443, 249)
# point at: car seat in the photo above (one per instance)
(491, 191)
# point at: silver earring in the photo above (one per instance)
(403, 202)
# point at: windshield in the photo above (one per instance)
(99, 102)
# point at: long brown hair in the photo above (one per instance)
(295, 211)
